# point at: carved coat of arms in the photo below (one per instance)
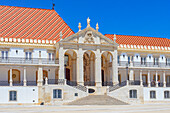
(89, 37)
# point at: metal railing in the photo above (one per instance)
(91, 83)
(17, 83)
(107, 83)
(19, 60)
(56, 81)
(71, 83)
(134, 82)
(31, 83)
(77, 86)
(4, 83)
(117, 86)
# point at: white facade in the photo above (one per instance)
(60, 72)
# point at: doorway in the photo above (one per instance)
(103, 83)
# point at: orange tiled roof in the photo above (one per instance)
(32, 23)
(140, 40)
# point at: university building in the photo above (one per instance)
(43, 61)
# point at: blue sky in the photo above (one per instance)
(125, 17)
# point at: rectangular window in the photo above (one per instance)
(4, 54)
(133, 94)
(128, 59)
(51, 56)
(57, 93)
(155, 61)
(168, 79)
(12, 96)
(166, 94)
(168, 61)
(28, 55)
(153, 94)
(143, 60)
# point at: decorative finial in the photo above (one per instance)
(79, 26)
(61, 35)
(97, 26)
(88, 22)
(114, 37)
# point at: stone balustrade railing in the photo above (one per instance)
(19, 60)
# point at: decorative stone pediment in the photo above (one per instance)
(89, 36)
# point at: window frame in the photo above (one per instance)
(154, 96)
(133, 94)
(4, 54)
(167, 96)
(15, 97)
(28, 55)
(56, 95)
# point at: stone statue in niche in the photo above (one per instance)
(86, 62)
(89, 37)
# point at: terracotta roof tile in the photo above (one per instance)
(140, 40)
(32, 23)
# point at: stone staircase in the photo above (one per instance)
(97, 100)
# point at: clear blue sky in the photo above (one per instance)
(126, 17)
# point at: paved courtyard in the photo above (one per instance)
(147, 108)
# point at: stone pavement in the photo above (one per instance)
(146, 108)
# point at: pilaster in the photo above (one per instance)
(156, 79)
(61, 63)
(141, 81)
(10, 79)
(164, 79)
(131, 74)
(25, 78)
(40, 76)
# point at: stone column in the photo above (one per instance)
(10, 79)
(40, 76)
(141, 81)
(164, 81)
(25, 78)
(149, 81)
(115, 68)
(61, 63)
(80, 73)
(156, 79)
(98, 68)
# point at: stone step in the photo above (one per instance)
(97, 100)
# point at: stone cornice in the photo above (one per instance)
(27, 45)
(143, 51)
